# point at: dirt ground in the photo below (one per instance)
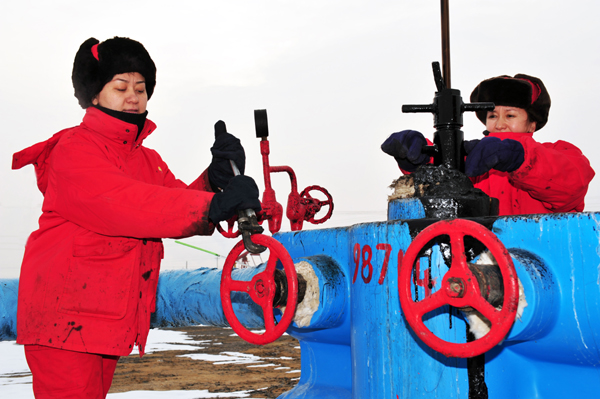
(166, 370)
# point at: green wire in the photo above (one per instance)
(198, 248)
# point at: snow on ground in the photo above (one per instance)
(15, 377)
(176, 395)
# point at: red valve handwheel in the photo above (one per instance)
(316, 204)
(262, 291)
(459, 288)
(229, 233)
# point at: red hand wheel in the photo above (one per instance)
(262, 291)
(314, 205)
(459, 287)
(229, 233)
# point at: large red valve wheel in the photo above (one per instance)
(262, 291)
(459, 288)
(317, 204)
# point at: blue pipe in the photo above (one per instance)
(191, 297)
(184, 298)
(8, 309)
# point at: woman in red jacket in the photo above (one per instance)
(89, 274)
(526, 176)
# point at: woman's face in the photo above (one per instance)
(509, 119)
(126, 92)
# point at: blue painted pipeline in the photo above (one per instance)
(192, 297)
(184, 298)
(8, 309)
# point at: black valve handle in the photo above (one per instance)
(261, 123)
(418, 108)
(447, 109)
(487, 106)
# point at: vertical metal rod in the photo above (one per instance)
(445, 12)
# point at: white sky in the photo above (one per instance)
(333, 76)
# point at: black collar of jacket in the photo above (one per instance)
(136, 119)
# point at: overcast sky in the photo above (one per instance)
(333, 76)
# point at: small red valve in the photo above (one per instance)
(313, 205)
(300, 207)
(460, 288)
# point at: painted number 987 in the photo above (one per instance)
(363, 261)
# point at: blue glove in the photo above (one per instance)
(226, 147)
(406, 147)
(241, 193)
(492, 153)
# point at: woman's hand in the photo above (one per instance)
(407, 148)
(241, 193)
(492, 153)
(226, 148)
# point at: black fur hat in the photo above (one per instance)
(97, 63)
(521, 91)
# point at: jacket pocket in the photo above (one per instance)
(99, 278)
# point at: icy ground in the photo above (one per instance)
(15, 377)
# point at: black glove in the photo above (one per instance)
(226, 147)
(406, 147)
(492, 153)
(240, 193)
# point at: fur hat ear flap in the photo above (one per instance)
(521, 91)
(85, 74)
(540, 106)
(97, 63)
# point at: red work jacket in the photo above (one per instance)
(89, 274)
(553, 178)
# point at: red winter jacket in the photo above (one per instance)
(89, 274)
(553, 178)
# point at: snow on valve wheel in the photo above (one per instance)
(459, 287)
(261, 290)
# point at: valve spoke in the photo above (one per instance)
(459, 259)
(484, 307)
(271, 264)
(268, 315)
(433, 302)
(239, 286)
